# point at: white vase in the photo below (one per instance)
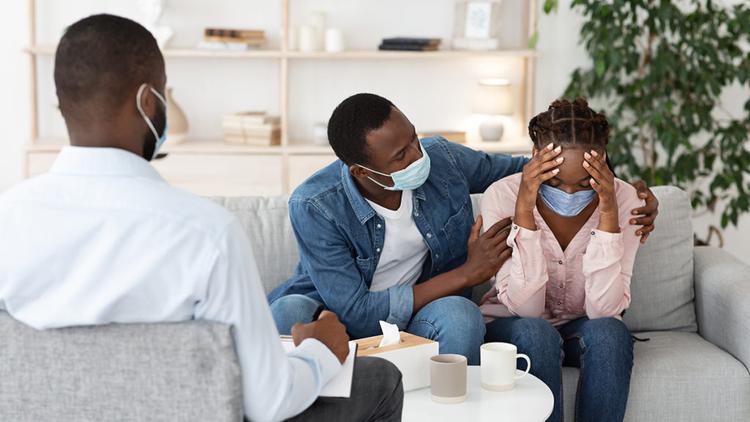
(308, 41)
(151, 13)
(334, 40)
(177, 121)
(491, 130)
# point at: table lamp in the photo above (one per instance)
(493, 99)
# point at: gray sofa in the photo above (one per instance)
(693, 304)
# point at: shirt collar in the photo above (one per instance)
(112, 162)
(361, 208)
(359, 204)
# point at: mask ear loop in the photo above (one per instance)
(138, 98)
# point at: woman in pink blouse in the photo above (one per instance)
(561, 295)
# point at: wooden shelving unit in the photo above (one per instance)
(287, 151)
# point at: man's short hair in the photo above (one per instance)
(350, 123)
(100, 62)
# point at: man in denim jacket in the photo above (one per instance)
(368, 255)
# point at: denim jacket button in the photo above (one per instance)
(378, 226)
(429, 235)
(377, 250)
(416, 214)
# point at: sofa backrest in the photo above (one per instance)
(662, 284)
(129, 372)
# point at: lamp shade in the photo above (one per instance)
(493, 97)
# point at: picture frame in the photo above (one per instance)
(477, 25)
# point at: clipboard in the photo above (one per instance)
(340, 386)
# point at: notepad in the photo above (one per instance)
(341, 384)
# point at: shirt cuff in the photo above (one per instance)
(328, 363)
(401, 305)
(606, 237)
(521, 233)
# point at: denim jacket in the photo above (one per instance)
(340, 236)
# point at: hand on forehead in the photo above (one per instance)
(572, 172)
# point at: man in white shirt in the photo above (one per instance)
(103, 238)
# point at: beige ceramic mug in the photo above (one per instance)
(448, 378)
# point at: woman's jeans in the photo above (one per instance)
(602, 348)
(453, 321)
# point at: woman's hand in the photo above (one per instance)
(542, 167)
(603, 182)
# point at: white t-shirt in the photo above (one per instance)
(404, 250)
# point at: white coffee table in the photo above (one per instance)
(530, 401)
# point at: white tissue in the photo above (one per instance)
(390, 334)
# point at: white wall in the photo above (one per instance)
(434, 94)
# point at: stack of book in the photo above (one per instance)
(410, 44)
(232, 39)
(252, 128)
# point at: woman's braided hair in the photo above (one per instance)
(569, 123)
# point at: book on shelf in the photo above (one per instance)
(232, 39)
(234, 33)
(257, 43)
(252, 128)
(412, 41)
(240, 139)
(406, 47)
(410, 44)
(223, 46)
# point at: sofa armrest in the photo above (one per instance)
(722, 299)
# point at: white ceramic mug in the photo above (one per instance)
(499, 366)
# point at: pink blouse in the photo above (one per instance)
(590, 278)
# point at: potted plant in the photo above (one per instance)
(658, 69)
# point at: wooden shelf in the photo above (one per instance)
(197, 53)
(189, 147)
(309, 149)
(187, 53)
(217, 147)
(522, 146)
(221, 148)
(402, 55)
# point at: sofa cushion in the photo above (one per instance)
(662, 284)
(266, 222)
(679, 376)
(124, 372)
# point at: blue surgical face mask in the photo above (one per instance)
(160, 139)
(563, 203)
(409, 178)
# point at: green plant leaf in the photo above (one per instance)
(533, 40)
(659, 70)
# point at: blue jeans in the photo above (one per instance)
(602, 348)
(454, 321)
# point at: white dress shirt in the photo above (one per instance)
(404, 250)
(103, 238)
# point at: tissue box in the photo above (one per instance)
(411, 356)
